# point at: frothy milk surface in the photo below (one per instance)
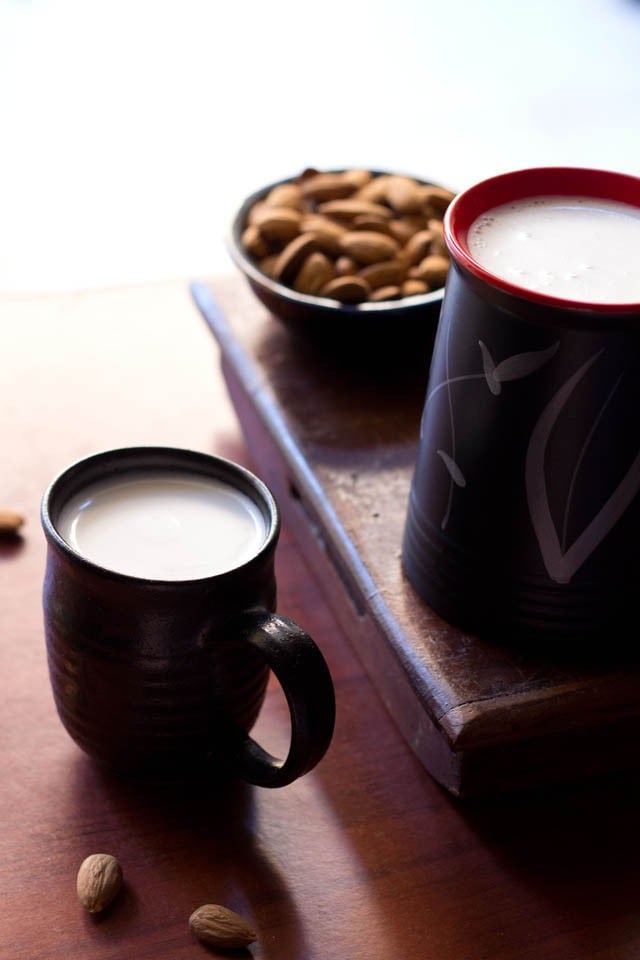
(163, 525)
(577, 248)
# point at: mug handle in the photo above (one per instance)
(306, 682)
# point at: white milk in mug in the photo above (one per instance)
(163, 525)
(577, 248)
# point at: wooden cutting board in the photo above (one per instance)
(336, 440)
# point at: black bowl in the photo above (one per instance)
(389, 325)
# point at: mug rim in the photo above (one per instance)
(151, 458)
(528, 182)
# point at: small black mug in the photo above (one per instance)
(161, 677)
(524, 519)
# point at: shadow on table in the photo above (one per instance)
(496, 877)
(334, 402)
(334, 397)
(11, 546)
(575, 847)
(196, 838)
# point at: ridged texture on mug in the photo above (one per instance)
(465, 591)
(150, 717)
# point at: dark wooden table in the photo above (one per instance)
(366, 857)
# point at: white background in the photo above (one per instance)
(130, 130)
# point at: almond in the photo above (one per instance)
(367, 222)
(368, 246)
(347, 289)
(385, 293)
(438, 244)
(220, 927)
(418, 246)
(306, 173)
(404, 195)
(327, 186)
(277, 223)
(285, 195)
(375, 190)
(358, 177)
(295, 252)
(267, 264)
(327, 232)
(99, 881)
(401, 257)
(433, 270)
(345, 266)
(437, 198)
(255, 211)
(384, 273)
(417, 221)
(10, 523)
(348, 209)
(316, 271)
(401, 230)
(254, 243)
(414, 288)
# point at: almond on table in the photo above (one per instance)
(220, 927)
(10, 522)
(99, 881)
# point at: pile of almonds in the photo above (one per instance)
(352, 236)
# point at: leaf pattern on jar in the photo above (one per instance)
(455, 472)
(515, 367)
(562, 561)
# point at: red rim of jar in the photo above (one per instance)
(535, 181)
